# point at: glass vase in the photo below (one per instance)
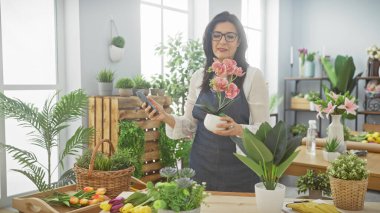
(335, 130)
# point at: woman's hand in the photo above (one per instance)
(231, 128)
(159, 114)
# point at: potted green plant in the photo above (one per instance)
(330, 152)
(158, 86)
(298, 130)
(46, 125)
(312, 96)
(105, 81)
(348, 176)
(141, 84)
(315, 183)
(125, 86)
(117, 48)
(268, 153)
(310, 65)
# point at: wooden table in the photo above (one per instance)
(305, 161)
(238, 203)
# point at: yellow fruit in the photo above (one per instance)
(364, 141)
(126, 208)
(370, 139)
(376, 134)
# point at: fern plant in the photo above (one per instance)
(46, 126)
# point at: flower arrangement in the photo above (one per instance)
(336, 104)
(348, 167)
(313, 181)
(222, 84)
(372, 89)
(302, 55)
(311, 56)
(373, 52)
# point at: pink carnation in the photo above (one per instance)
(239, 72)
(219, 68)
(219, 84)
(232, 91)
(230, 66)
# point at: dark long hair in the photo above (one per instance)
(239, 56)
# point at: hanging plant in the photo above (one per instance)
(116, 48)
(132, 137)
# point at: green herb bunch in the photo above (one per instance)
(298, 130)
(179, 193)
(118, 41)
(105, 76)
(126, 83)
(332, 145)
(314, 181)
(348, 167)
(141, 83)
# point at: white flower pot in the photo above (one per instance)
(105, 88)
(330, 156)
(211, 121)
(335, 130)
(312, 106)
(116, 53)
(197, 210)
(269, 200)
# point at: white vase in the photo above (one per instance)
(116, 53)
(312, 106)
(269, 200)
(211, 121)
(309, 69)
(197, 210)
(335, 130)
(330, 156)
(301, 68)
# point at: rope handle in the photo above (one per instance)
(92, 162)
(113, 26)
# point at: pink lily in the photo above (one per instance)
(349, 106)
(333, 95)
(319, 110)
(330, 108)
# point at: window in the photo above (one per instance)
(28, 72)
(160, 19)
(252, 20)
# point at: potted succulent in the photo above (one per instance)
(330, 152)
(105, 81)
(158, 86)
(117, 48)
(141, 84)
(348, 179)
(125, 86)
(315, 183)
(268, 153)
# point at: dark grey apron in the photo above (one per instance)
(212, 155)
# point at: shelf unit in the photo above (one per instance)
(365, 112)
(287, 108)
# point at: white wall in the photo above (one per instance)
(95, 37)
(218, 6)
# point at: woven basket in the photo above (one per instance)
(348, 194)
(115, 182)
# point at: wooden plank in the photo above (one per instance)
(134, 101)
(131, 114)
(151, 135)
(106, 123)
(114, 122)
(151, 167)
(98, 120)
(371, 127)
(153, 178)
(91, 119)
(299, 103)
(149, 156)
(151, 146)
(148, 124)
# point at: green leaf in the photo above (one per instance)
(263, 131)
(276, 141)
(256, 150)
(251, 164)
(284, 165)
(330, 71)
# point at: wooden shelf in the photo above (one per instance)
(302, 110)
(369, 112)
(307, 79)
(369, 78)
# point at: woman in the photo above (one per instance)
(212, 152)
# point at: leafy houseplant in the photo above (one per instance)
(183, 59)
(330, 153)
(125, 86)
(141, 83)
(313, 181)
(349, 179)
(269, 153)
(117, 48)
(118, 41)
(298, 130)
(46, 125)
(105, 79)
(159, 85)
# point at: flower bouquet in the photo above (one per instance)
(373, 52)
(372, 90)
(224, 88)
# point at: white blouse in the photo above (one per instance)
(256, 93)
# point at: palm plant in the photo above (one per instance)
(46, 126)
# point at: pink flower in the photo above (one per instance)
(219, 68)
(319, 110)
(230, 66)
(349, 106)
(333, 95)
(232, 91)
(239, 72)
(219, 84)
(330, 108)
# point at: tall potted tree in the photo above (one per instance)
(46, 125)
(268, 153)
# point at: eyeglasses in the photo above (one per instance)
(230, 36)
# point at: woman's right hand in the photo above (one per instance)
(155, 115)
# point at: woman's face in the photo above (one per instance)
(225, 40)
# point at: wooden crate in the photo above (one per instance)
(34, 203)
(104, 115)
(299, 103)
(371, 127)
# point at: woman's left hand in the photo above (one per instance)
(231, 128)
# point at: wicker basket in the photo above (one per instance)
(348, 194)
(115, 182)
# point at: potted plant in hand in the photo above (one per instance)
(105, 81)
(348, 179)
(315, 183)
(125, 86)
(330, 152)
(158, 86)
(268, 153)
(117, 48)
(141, 84)
(224, 88)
